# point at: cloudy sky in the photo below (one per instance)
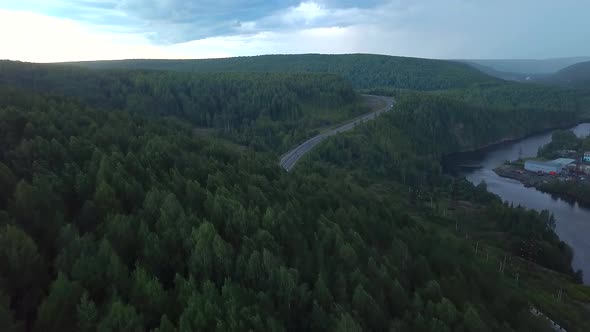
(64, 30)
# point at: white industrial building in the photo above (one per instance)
(554, 166)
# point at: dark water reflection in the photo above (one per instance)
(573, 220)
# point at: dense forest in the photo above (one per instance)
(469, 108)
(407, 160)
(125, 218)
(117, 222)
(364, 71)
(262, 110)
(448, 121)
(504, 75)
(562, 140)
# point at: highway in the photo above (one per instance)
(290, 159)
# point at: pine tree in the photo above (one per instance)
(87, 314)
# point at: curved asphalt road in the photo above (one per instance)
(289, 159)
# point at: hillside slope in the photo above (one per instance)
(529, 66)
(113, 221)
(577, 76)
(264, 110)
(364, 71)
(504, 75)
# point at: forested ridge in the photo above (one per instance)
(404, 158)
(115, 218)
(533, 67)
(454, 120)
(576, 76)
(263, 110)
(364, 71)
(466, 105)
(562, 140)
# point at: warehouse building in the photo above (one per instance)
(548, 167)
(564, 162)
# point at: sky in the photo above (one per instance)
(70, 30)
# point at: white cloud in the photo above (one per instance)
(39, 38)
(306, 12)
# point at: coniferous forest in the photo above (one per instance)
(363, 71)
(138, 200)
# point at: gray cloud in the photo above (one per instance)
(173, 21)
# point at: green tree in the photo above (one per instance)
(399, 299)
(57, 311)
(22, 272)
(87, 314)
(148, 295)
(367, 308)
(121, 317)
(211, 255)
(431, 292)
(438, 326)
(165, 325)
(319, 319)
(472, 321)
(7, 184)
(322, 294)
(7, 322)
(106, 199)
(203, 310)
(24, 207)
(446, 311)
(347, 324)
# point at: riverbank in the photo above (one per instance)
(572, 224)
(514, 139)
(567, 187)
(578, 192)
(528, 179)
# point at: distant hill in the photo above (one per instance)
(528, 66)
(508, 76)
(577, 76)
(364, 71)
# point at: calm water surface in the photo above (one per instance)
(572, 220)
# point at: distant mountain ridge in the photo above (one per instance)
(364, 71)
(576, 76)
(508, 76)
(528, 66)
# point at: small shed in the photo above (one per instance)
(585, 169)
(567, 153)
(547, 167)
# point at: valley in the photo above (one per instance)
(379, 105)
(146, 195)
(292, 166)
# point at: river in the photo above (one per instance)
(572, 220)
